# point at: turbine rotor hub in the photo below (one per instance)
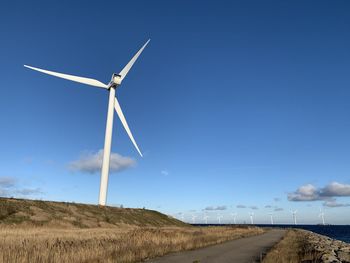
(116, 80)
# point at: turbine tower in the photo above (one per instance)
(294, 214)
(194, 219)
(219, 219)
(251, 218)
(113, 104)
(206, 218)
(234, 217)
(322, 216)
(182, 217)
(271, 217)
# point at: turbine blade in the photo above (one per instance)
(125, 124)
(126, 69)
(88, 81)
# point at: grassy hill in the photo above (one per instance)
(23, 212)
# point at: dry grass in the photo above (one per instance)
(69, 215)
(293, 248)
(128, 244)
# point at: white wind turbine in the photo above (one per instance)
(219, 219)
(194, 219)
(205, 217)
(271, 217)
(182, 217)
(234, 215)
(322, 216)
(251, 218)
(294, 214)
(112, 104)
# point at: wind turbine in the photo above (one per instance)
(205, 217)
(322, 216)
(194, 219)
(271, 217)
(251, 218)
(112, 104)
(182, 217)
(294, 214)
(234, 217)
(219, 219)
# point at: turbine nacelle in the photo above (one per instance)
(116, 80)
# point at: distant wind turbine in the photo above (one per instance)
(271, 217)
(294, 214)
(251, 218)
(322, 216)
(112, 104)
(205, 217)
(234, 217)
(219, 218)
(194, 219)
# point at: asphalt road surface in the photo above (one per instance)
(241, 250)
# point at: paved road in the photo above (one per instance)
(240, 250)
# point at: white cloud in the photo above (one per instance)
(336, 189)
(91, 162)
(164, 172)
(29, 191)
(306, 192)
(215, 208)
(334, 203)
(309, 192)
(9, 186)
(7, 182)
(4, 193)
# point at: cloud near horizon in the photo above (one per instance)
(241, 206)
(7, 182)
(216, 208)
(334, 203)
(90, 162)
(327, 194)
(309, 192)
(9, 187)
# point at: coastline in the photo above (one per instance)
(299, 245)
(329, 249)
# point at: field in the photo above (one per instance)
(125, 244)
(41, 231)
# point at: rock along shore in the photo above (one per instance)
(330, 250)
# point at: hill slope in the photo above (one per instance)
(21, 212)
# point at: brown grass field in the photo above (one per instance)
(123, 244)
(44, 231)
(293, 248)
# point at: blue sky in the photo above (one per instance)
(233, 103)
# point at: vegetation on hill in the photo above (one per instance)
(71, 215)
